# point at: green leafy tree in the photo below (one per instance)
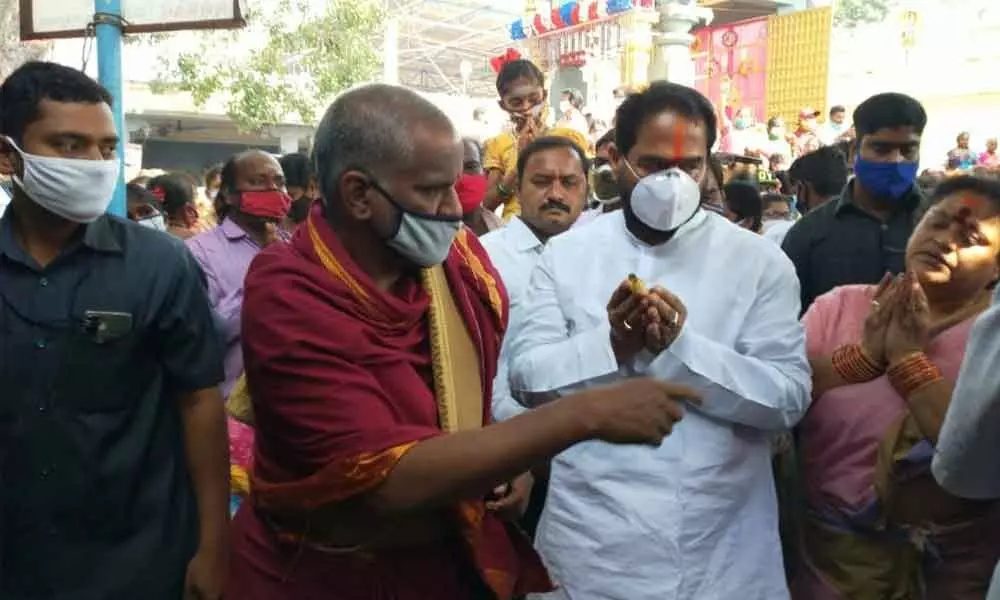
(851, 13)
(292, 58)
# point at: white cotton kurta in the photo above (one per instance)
(696, 518)
(4, 201)
(775, 231)
(964, 463)
(514, 250)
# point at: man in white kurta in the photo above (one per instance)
(553, 189)
(696, 518)
(4, 200)
(964, 463)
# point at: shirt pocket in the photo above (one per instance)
(582, 316)
(103, 376)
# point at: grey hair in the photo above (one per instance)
(370, 128)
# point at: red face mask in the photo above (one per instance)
(471, 189)
(160, 194)
(267, 204)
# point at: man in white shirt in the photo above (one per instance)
(553, 189)
(836, 129)
(4, 198)
(775, 231)
(964, 463)
(696, 518)
(778, 217)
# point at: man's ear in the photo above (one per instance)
(810, 195)
(191, 215)
(353, 187)
(10, 160)
(614, 157)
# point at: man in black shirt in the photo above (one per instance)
(860, 235)
(113, 452)
(818, 177)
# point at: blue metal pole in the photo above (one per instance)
(109, 73)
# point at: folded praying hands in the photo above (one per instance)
(898, 323)
(643, 319)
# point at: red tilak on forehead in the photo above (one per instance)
(679, 131)
(971, 201)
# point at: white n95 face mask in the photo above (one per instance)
(156, 222)
(75, 189)
(665, 200)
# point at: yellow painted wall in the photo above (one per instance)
(798, 61)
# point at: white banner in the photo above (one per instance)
(69, 18)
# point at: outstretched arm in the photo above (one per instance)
(965, 463)
(764, 380)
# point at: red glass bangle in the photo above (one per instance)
(853, 364)
(913, 374)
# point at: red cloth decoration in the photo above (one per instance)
(575, 14)
(471, 190)
(733, 55)
(573, 59)
(497, 62)
(592, 11)
(539, 25)
(160, 193)
(557, 19)
(267, 204)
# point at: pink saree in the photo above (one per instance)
(877, 525)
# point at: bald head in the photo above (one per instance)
(372, 129)
(248, 171)
(246, 163)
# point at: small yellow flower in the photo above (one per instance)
(635, 284)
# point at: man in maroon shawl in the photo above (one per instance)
(377, 473)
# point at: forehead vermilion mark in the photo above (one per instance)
(679, 131)
(971, 202)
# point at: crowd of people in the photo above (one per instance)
(644, 364)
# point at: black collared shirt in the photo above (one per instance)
(839, 243)
(95, 498)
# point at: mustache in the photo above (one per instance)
(556, 204)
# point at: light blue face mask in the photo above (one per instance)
(76, 189)
(425, 240)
